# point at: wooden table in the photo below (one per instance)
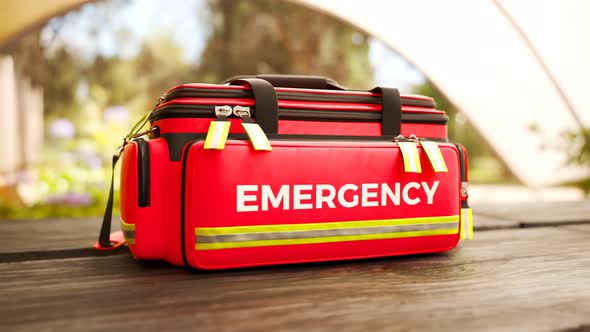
(528, 269)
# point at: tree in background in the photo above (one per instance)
(246, 37)
(265, 36)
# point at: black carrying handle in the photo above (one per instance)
(266, 104)
(391, 111)
(267, 111)
(295, 81)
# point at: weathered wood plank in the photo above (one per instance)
(534, 214)
(49, 234)
(39, 236)
(484, 223)
(579, 228)
(68, 237)
(519, 279)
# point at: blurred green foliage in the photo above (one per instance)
(578, 150)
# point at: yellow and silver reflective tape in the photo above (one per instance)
(434, 156)
(128, 232)
(257, 136)
(217, 135)
(466, 224)
(411, 157)
(211, 238)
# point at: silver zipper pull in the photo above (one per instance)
(410, 155)
(255, 133)
(241, 111)
(218, 129)
(223, 112)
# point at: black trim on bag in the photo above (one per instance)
(182, 205)
(300, 96)
(463, 173)
(177, 141)
(207, 111)
(462, 163)
(143, 173)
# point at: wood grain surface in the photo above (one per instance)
(535, 279)
(63, 237)
(535, 214)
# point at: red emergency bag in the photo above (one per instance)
(289, 169)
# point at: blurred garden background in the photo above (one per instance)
(99, 68)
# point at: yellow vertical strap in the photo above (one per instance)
(434, 156)
(257, 136)
(411, 157)
(128, 232)
(217, 135)
(466, 224)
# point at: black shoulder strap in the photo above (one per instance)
(391, 114)
(104, 238)
(267, 107)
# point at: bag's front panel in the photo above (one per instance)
(314, 201)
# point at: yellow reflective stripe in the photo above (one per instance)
(217, 135)
(434, 156)
(466, 224)
(411, 157)
(322, 226)
(262, 243)
(128, 232)
(127, 227)
(470, 225)
(257, 136)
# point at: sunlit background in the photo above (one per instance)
(82, 79)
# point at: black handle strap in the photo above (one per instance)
(391, 113)
(265, 98)
(296, 81)
(104, 237)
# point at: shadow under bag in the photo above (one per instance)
(288, 169)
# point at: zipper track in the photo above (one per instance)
(220, 93)
(143, 173)
(208, 111)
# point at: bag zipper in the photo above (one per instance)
(287, 95)
(208, 111)
(143, 172)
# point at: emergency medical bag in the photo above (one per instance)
(287, 169)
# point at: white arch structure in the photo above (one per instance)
(507, 65)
